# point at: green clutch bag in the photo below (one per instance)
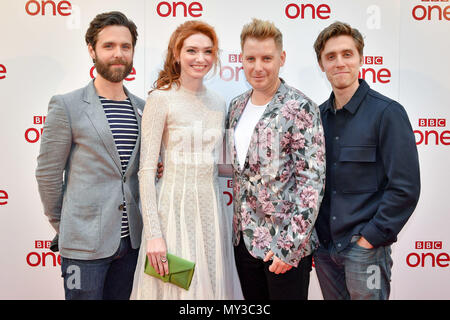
(180, 271)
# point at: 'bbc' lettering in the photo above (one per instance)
(435, 136)
(42, 244)
(230, 73)
(372, 73)
(373, 60)
(437, 245)
(32, 135)
(235, 58)
(38, 120)
(428, 256)
(432, 122)
(43, 257)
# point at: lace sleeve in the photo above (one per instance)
(153, 123)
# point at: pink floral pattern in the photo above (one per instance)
(309, 197)
(261, 238)
(278, 193)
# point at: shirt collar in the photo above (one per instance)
(354, 103)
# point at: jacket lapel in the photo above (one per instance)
(272, 110)
(238, 109)
(98, 118)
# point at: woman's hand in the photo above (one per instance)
(160, 170)
(157, 255)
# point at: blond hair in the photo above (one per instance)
(261, 30)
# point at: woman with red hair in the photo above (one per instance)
(183, 122)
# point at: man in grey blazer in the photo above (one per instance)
(87, 169)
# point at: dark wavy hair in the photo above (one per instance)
(113, 18)
(334, 30)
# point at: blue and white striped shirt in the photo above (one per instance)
(124, 128)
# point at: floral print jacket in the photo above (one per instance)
(278, 193)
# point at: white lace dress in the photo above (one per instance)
(184, 206)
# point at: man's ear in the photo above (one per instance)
(283, 57)
(91, 52)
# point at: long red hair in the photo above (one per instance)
(170, 73)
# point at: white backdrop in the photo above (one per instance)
(43, 53)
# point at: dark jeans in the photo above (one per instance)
(258, 283)
(355, 273)
(102, 279)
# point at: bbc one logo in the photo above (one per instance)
(166, 9)
(431, 10)
(48, 7)
(228, 193)
(33, 134)
(428, 254)
(374, 71)
(307, 10)
(41, 257)
(232, 71)
(430, 132)
(3, 198)
(2, 72)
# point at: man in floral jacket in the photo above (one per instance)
(278, 155)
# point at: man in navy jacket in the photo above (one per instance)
(372, 175)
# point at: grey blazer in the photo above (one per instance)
(80, 178)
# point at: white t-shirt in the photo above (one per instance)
(244, 129)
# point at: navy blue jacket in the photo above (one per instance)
(372, 178)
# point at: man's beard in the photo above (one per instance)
(113, 74)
